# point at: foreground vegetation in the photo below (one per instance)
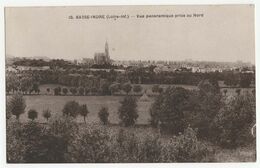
(63, 140)
(186, 126)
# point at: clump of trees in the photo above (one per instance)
(221, 120)
(202, 108)
(71, 109)
(234, 121)
(168, 110)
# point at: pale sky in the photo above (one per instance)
(225, 33)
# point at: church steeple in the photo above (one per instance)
(107, 50)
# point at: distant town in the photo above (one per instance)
(102, 61)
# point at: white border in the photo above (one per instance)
(6, 3)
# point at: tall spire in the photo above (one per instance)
(107, 50)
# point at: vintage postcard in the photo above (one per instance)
(130, 84)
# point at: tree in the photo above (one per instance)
(46, 114)
(84, 111)
(73, 90)
(71, 109)
(168, 110)
(8, 110)
(65, 91)
(87, 91)
(253, 92)
(245, 80)
(231, 79)
(157, 89)
(203, 105)
(81, 91)
(32, 114)
(207, 87)
(35, 88)
(105, 88)
(17, 105)
(128, 111)
(238, 91)
(103, 115)
(57, 91)
(48, 90)
(225, 91)
(26, 84)
(137, 88)
(114, 88)
(94, 90)
(12, 82)
(127, 87)
(160, 90)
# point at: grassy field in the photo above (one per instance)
(94, 103)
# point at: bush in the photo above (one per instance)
(150, 149)
(36, 143)
(15, 148)
(62, 141)
(32, 138)
(128, 111)
(92, 146)
(103, 115)
(184, 148)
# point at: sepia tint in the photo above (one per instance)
(130, 84)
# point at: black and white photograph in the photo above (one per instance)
(130, 84)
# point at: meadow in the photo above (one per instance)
(46, 100)
(94, 103)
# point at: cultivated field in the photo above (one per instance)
(94, 103)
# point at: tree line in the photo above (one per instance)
(86, 78)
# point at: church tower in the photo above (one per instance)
(107, 51)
